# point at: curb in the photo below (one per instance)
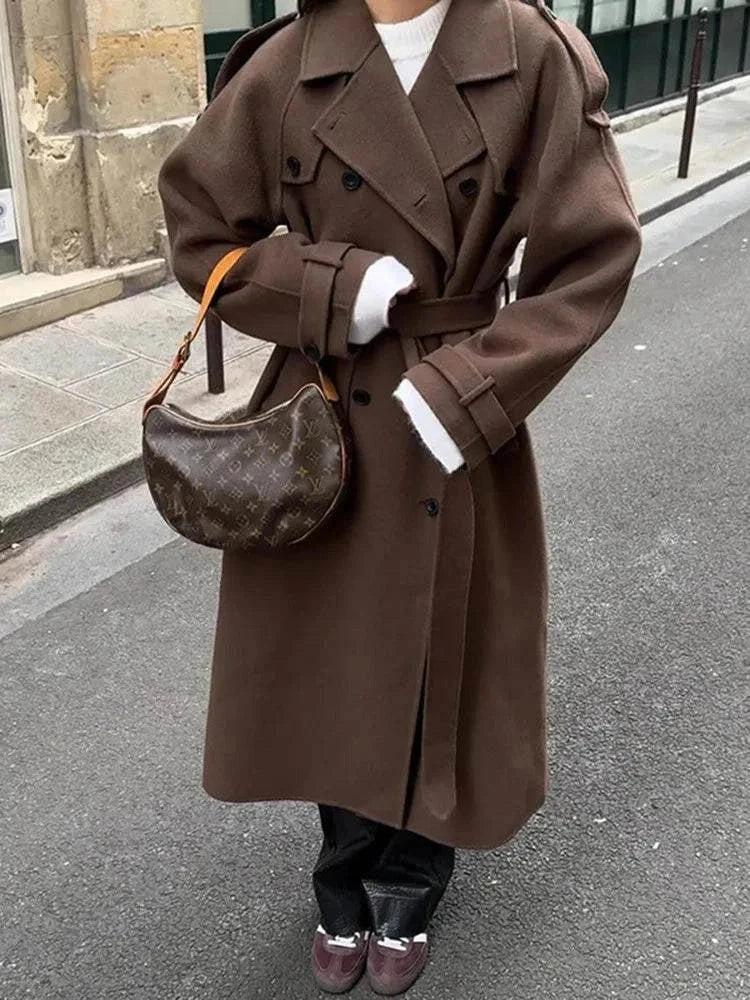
(54, 509)
(92, 288)
(650, 214)
(628, 121)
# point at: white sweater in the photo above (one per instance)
(408, 43)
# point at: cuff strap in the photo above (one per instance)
(322, 263)
(475, 395)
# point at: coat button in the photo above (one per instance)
(361, 396)
(432, 507)
(294, 166)
(312, 352)
(469, 187)
(351, 180)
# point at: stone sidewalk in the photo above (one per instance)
(71, 392)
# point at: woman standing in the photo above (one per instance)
(391, 668)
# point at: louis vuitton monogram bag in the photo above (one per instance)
(264, 482)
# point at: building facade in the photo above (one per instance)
(93, 93)
(645, 45)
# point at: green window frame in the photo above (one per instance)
(646, 60)
(649, 60)
(218, 43)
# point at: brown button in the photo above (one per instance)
(469, 187)
(432, 506)
(361, 397)
(294, 166)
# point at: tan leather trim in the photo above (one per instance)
(220, 271)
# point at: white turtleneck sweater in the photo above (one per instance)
(408, 43)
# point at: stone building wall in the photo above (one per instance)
(105, 89)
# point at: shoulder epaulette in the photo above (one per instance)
(587, 63)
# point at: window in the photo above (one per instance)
(226, 15)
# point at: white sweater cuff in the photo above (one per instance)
(382, 280)
(434, 436)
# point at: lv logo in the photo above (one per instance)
(318, 485)
(312, 428)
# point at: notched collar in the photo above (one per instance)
(340, 35)
(476, 40)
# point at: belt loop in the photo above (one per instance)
(470, 385)
(468, 397)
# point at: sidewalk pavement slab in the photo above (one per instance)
(71, 392)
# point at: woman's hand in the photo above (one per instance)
(383, 280)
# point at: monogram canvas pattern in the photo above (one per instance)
(265, 482)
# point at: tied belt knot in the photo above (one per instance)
(451, 320)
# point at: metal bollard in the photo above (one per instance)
(692, 97)
(214, 354)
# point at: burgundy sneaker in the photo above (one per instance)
(394, 965)
(338, 962)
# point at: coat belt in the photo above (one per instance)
(445, 651)
(432, 317)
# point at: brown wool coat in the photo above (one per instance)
(323, 651)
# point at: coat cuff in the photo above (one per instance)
(463, 401)
(332, 278)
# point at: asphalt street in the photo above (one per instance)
(119, 878)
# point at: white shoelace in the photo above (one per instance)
(401, 944)
(395, 944)
(340, 941)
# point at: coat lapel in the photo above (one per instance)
(372, 125)
(404, 146)
(476, 43)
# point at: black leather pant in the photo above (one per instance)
(372, 877)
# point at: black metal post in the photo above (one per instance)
(214, 354)
(743, 60)
(692, 97)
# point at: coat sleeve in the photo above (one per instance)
(583, 241)
(221, 189)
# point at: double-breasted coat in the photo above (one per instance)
(394, 663)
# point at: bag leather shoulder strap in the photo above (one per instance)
(210, 292)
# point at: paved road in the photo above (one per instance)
(120, 879)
